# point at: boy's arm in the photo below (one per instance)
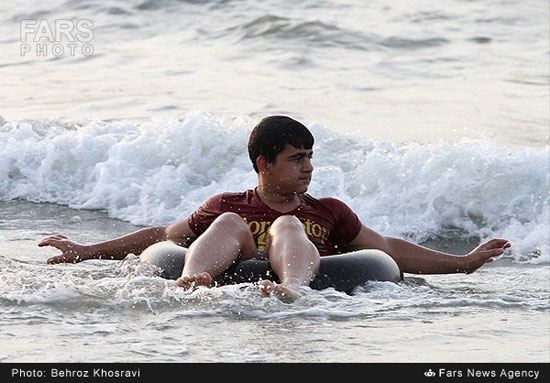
(118, 248)
(416, 259)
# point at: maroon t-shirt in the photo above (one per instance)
(328, 222)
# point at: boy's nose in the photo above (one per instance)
(308, 166)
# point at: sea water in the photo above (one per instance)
(431, 121)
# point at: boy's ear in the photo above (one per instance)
(262, 164)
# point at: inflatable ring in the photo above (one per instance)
(342, 272)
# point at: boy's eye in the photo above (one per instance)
(297, 159)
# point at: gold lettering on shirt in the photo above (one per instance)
(260, 229)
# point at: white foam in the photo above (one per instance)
(160, 171)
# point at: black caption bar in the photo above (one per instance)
(145, 372)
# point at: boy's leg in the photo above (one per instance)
(227, 239)
(292, 256)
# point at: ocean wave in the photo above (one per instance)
(133, 286)
(310, 32)
(160, 171)
(323, 34)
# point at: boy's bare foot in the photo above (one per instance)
(284, 293)
(201, 279)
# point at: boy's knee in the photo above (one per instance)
(232, 224)
(229, 220)
(287, 223)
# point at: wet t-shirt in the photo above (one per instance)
(329, 223)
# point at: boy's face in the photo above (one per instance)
(291, 171)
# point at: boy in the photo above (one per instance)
(277, 221)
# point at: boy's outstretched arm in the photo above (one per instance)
(416, 259)
(118, 248)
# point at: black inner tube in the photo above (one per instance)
(342, 272)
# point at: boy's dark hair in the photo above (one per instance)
(271, 135)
